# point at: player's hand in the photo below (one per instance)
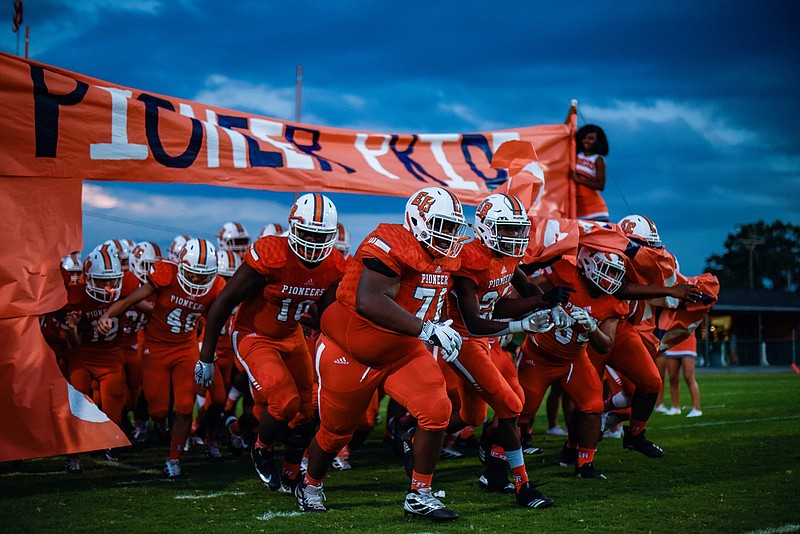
(73, 318)
(538, 322)
(203, 373)
(443, 336)
(104, 324)
(557, 295)
(687, 291)
(583, 318)
(561, 318)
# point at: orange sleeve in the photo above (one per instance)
(162, 274)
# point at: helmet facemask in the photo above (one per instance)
(446, 235)
(197, 269)
(508, 238)
(310, 243)
(604, 269)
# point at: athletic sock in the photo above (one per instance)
(637, 427)
(420, 481)
(585, 456)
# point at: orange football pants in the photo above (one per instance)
(486, 376)
(347, 387)
(280, 374)
(166, 365)
(630, 357)
(578, 378)
(108, 370)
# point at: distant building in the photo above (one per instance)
(751, 328)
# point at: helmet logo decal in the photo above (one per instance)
(628, 226)
(423, 201)
(293, 217)
(483, 209)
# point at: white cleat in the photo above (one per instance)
(694, 413)
(673, 410)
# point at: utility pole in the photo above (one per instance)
(751, 245)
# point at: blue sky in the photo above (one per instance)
(699, 99)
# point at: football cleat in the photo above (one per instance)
(424, 504)
(212, 452)
(694, 413)
(73, 466)
(528, 447)
(265, 468)
(288, 485)
(640, 443)
(449, 453)
(112, 455)
(341, 463)
(172, 469)
(495, 481)
(588, 471)
(310, 498)
(235, 442)
(530, 497)
(567, 456)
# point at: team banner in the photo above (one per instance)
(58, 123)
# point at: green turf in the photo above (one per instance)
(735, 469)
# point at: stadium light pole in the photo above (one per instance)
(751, 244)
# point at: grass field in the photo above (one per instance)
(735, 469)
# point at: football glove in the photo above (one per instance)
(583, 318)
(557, 295)
(442, 336)
(203, 373)
(561, 318)
(538, 322)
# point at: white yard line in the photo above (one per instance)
(208, 495)
(777, 530)
(723, 423)
(272, 515)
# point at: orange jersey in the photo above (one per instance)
(136, 320)
(567, 344)
(492, 275)
(589, 201)
(175, 313)
(424, 280)
(91, 310)
(291, 287)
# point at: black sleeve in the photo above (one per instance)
(374, 264)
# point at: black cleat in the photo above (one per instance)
(424, 504)
(639, 443)
(408, 450)
(496, 481)
(73, 466)
(530, 497)
(588, 471)
(568, 456)
(310, 498)
(265, 468)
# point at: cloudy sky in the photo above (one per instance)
(699, 99)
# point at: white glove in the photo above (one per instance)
(583, 318)
(444, 337)
(561, 318)
(538, 322)
(203, 373)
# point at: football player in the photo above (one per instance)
(175, 247)
(629, 356)
(560, 354)
(489, 269)
(281, 277)
(184, 292)
(98, 354)
(378, 333)
(141, 258)
(233, 237)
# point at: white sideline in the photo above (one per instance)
(723, 423)
(271, 515)
(209, 495)
(791, 527)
